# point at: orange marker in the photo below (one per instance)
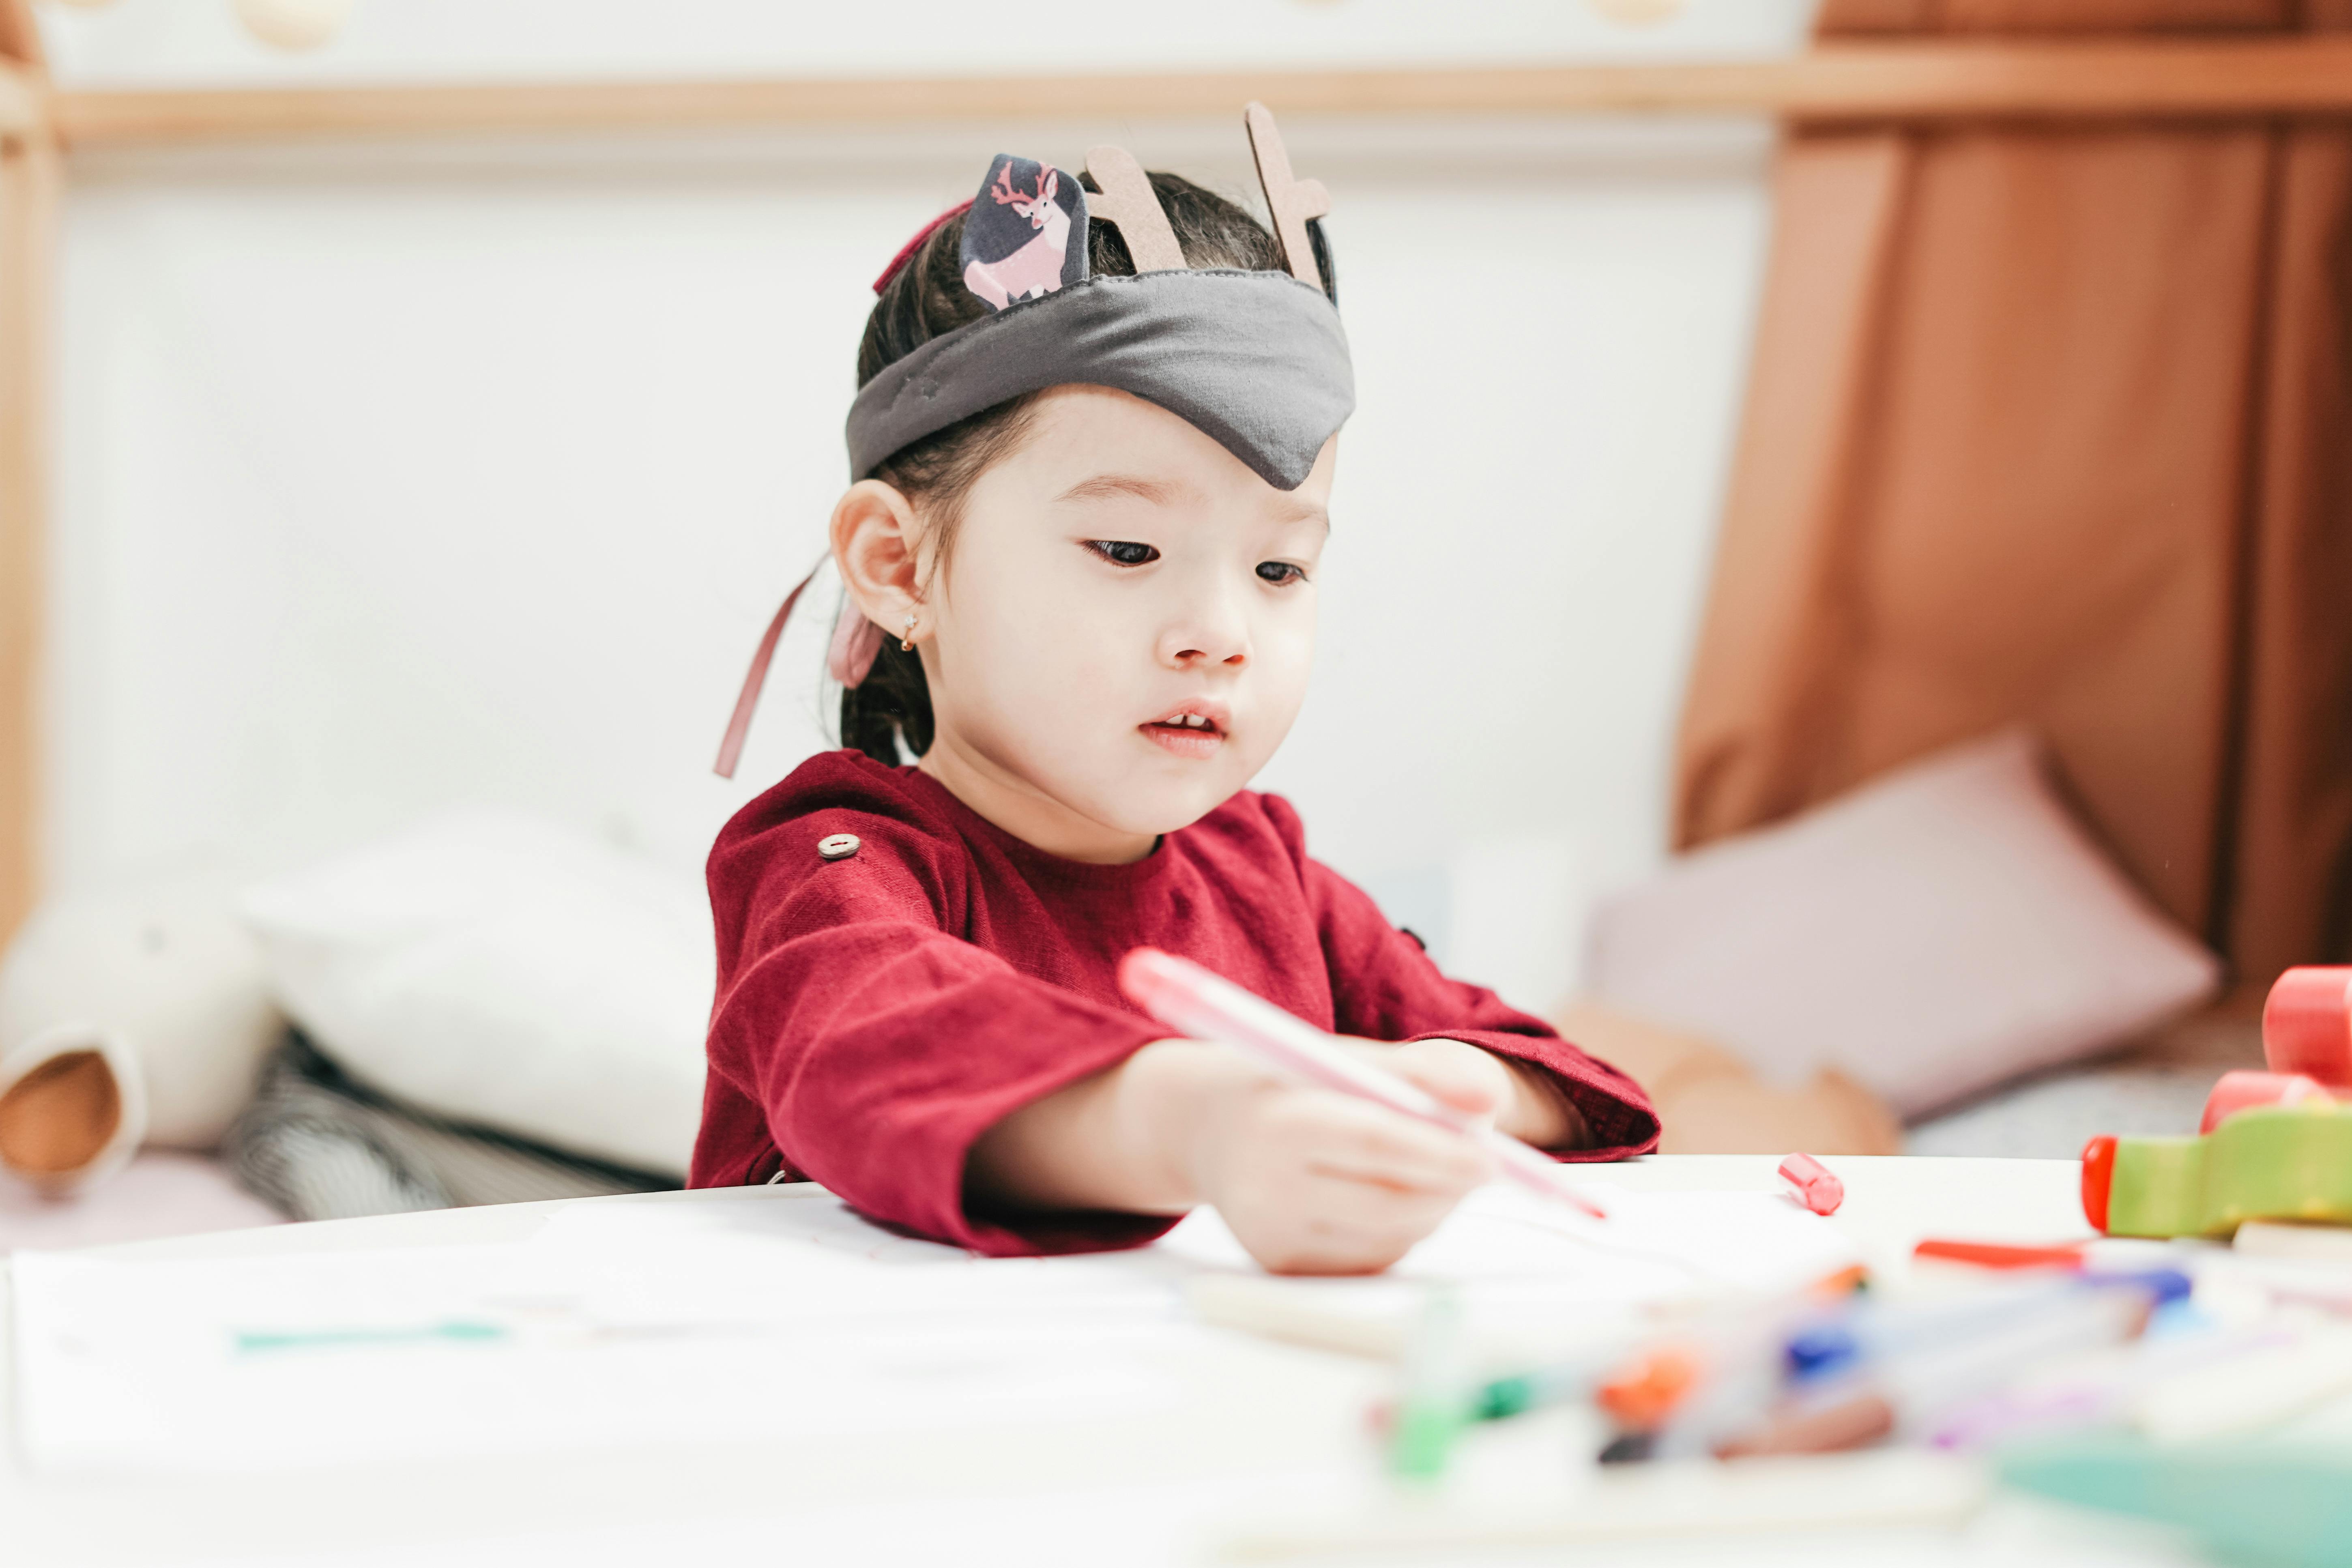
(1647, 1391)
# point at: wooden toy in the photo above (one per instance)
(2285, 1163)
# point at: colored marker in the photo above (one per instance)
(1430, 1409)
(1912, 1385)
(1199, 1004)
(1884, 1333)
(1819, 1381)
(1725, 1370)
(2100, 1392)
(2001, 1255)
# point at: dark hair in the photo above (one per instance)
(927, 298)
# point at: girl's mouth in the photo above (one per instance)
(1194, 735)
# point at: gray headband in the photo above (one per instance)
(1256, 361)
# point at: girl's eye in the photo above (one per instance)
(1280, 572)
(1123, 551)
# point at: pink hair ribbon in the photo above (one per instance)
(730, 749)
(855, 642)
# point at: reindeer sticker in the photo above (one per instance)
(1022, 242)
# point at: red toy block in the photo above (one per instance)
(2307, 1025)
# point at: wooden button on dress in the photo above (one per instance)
(837, 847)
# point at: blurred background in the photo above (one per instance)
(391, 477)
(1834, 608)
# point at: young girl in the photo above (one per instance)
(1092, 450)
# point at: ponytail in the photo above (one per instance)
(890, 708)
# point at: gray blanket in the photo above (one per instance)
(319, 1144)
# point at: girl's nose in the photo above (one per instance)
(1214, 634)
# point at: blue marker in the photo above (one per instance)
(1825, 1349)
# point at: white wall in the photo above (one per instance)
(394, 480)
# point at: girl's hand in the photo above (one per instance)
(1317, 1183)
(1311, 1182)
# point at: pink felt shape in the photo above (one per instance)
(1931, 934)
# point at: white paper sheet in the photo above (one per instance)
(625, 1323)
(262, 1364)
(806, 1258)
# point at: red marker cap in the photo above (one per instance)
(1816, 1188)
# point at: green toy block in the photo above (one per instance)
(2276, 1162)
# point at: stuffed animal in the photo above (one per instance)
(133, 1014)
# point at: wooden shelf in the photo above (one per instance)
(1940, 80)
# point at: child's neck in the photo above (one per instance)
(1026, 811)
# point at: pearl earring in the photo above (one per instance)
(907, 642)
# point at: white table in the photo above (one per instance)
(1252, 1416)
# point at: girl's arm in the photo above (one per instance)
(856, 1033)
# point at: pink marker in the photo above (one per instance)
(1195, 1003)
(1816, 1188)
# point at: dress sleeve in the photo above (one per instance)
(878, 1045)
(1384, 988)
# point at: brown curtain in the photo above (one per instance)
(2053, 423)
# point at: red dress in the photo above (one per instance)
(876, 1013)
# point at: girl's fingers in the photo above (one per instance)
(1365, 1215)
(1325, 1183)
(1456, 1074)
(1347, 1227)
(1363, 1143)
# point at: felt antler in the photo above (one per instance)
(1290, 201)
(1127, 201)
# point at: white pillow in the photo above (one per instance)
(491, 966)
(1930, 934)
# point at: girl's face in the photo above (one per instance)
(1122, 633)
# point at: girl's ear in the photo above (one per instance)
(875, 541)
